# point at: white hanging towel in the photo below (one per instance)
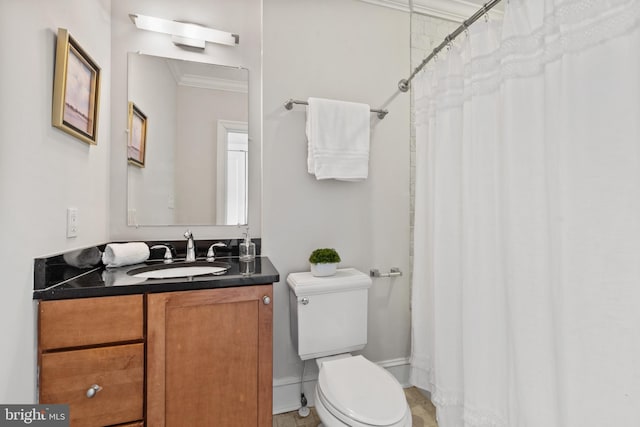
(338, 139)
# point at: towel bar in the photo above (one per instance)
(393, 272)
(289, 105)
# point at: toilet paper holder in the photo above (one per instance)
(393, 272)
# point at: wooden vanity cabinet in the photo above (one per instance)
(91, 356)
(209, 357)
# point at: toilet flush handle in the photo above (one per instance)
(304, 301)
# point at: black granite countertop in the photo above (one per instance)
(54, 279)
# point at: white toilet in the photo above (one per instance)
(328, 320)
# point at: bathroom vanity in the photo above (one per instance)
(161, 352)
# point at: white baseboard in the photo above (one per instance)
(399, 368)
(286, 391)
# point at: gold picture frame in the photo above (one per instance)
(76, 90)
(137, 142)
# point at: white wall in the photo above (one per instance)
(349, 50)
(238, 16)
(42, 169)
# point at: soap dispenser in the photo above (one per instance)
(247, 249)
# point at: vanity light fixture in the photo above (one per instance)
(184, 33)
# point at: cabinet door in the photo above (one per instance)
(209, 357)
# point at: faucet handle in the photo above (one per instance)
(168, 257)
(211, 253)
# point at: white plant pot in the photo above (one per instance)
(322, 270)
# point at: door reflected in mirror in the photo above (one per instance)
(197, 147)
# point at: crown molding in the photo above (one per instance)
(206, 82)
(451, 10)
(402, 5)
(215, 83)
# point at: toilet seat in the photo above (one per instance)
(331, 417)
(361, 394)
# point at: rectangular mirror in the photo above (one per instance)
(190, 165)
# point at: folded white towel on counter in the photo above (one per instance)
(83, 258)
(338, 139)
(120, 254)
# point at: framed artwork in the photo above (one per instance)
(137, 144)
(76, 90)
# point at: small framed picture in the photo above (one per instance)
(136, 147)
(76, 90)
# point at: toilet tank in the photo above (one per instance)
(328, 314)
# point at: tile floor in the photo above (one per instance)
(424, 413)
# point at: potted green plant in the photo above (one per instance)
(324, 262)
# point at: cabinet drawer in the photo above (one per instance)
(90, 321)
(66, 376)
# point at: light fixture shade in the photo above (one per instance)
(184, 33)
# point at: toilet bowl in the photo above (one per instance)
(352, 391)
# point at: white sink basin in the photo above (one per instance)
(168, 271)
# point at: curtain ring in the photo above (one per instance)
(466, 28)
(448, 40)
(486, 12)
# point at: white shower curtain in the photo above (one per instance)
(526, 281)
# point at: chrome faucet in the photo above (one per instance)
(191, 247)
(211, 253)
(168, 257)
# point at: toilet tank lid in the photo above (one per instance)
(305, 283)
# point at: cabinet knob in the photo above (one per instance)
(304, 301)
(93, 390)
(266, 300)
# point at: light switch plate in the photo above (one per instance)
(72, 222)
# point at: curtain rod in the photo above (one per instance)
(289, 105)
(404, 84)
